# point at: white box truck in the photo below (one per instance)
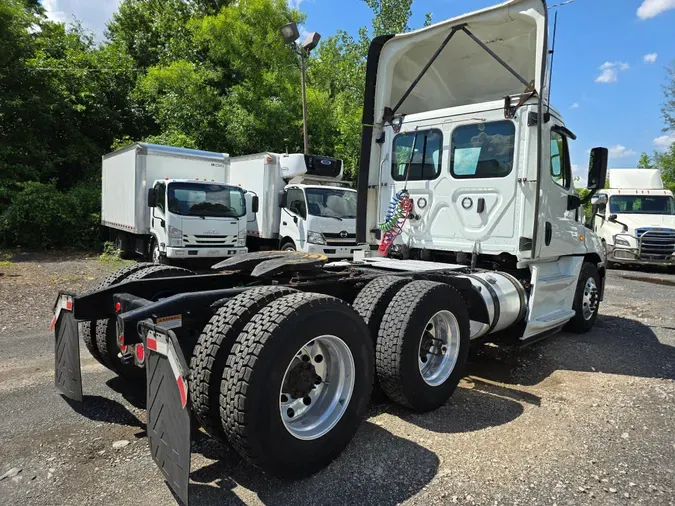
(635, 218)
(304, 208)
(172, 203)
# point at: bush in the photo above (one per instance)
(40, 216)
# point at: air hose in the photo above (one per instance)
(399, 208)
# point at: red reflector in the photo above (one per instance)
(118, 307)
(52, 325)
(120, 341)
(182, 391)
(69, 305)
(123, 348)
(140, 352)
(151, 343)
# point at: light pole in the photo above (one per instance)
(291, 34)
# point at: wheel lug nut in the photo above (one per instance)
(307, 401)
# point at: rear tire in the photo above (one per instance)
(421, 308)
(106, 330)
(88, 329)
(586, 300)
(213, 347)
(261, 360)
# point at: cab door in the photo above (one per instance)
(559, 231)
(293, 216)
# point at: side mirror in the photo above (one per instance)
(282, 199)
(255, 203)
(597, 168)
(152, 198)
(612, 217)
(599, 200)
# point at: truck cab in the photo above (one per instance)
(196, 219)
(635, 218)
(319, 219)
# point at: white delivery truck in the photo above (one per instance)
(172, 203)
(304, 205)
(635, 218)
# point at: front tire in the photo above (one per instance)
(586, 300)
(268, 386)
(423, 345)
(288, 246)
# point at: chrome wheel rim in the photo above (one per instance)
(317, 387)
(155, 254)
(439, 348)
(589, 302)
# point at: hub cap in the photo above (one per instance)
(317, 387)
(439, 348)
(589, 302)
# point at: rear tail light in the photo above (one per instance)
(120, 343)
(139, 351)
(118, 307)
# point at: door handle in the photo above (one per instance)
(480, 207)
(162, 223)
(284, 223)
(549, 233)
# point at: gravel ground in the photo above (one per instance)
(570, 420)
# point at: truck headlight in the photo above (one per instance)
(621, 242)
(175, 237)
(241, 238)
(315, 238)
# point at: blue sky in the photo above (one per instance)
(609, 64)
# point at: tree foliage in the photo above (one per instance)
(207, 74)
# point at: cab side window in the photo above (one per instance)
(295, 201)
(561, 170)
(161, 197)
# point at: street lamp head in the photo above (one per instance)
(311, 41)
(290, 33)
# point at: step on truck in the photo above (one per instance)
(172, 204)
(635, 218)
(467, 203)
(304, 207)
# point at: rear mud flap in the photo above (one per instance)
(168, 413)
(67, 374)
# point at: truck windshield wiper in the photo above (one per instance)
(334, 217)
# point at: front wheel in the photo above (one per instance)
(156, 255)
(296, 384)
(288, 246)
(586, 300)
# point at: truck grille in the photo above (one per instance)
(209, 241)
(656, 243)
(339, 239)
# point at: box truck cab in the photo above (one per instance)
(172, 203)
(305, 205)
(635, 218)
(196, 219)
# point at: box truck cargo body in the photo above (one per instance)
(304, 204)
(170, 202)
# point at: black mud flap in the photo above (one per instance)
(67, 374)
(168, 411)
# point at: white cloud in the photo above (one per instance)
(664, 142)
(295, 4)
(620, 151)
(575, 105)
(652, 8)
(650, 57)
(93, 14)
(610, 71)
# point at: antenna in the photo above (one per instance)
(552, 53)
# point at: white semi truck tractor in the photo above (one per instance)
(635, 218)
(172, 204)
(304, 206)
(467, 204)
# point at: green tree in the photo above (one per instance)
(668, 109)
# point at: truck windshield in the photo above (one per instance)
(642, 204)
(331, 202)
(193, 199)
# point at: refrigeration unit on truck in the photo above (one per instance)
(466, 201)
(303, 206)
(172, 203)
(635, 218)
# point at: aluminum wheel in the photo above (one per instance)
(155, 254)
(589, 302)
(439, 348)
(317, 387)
